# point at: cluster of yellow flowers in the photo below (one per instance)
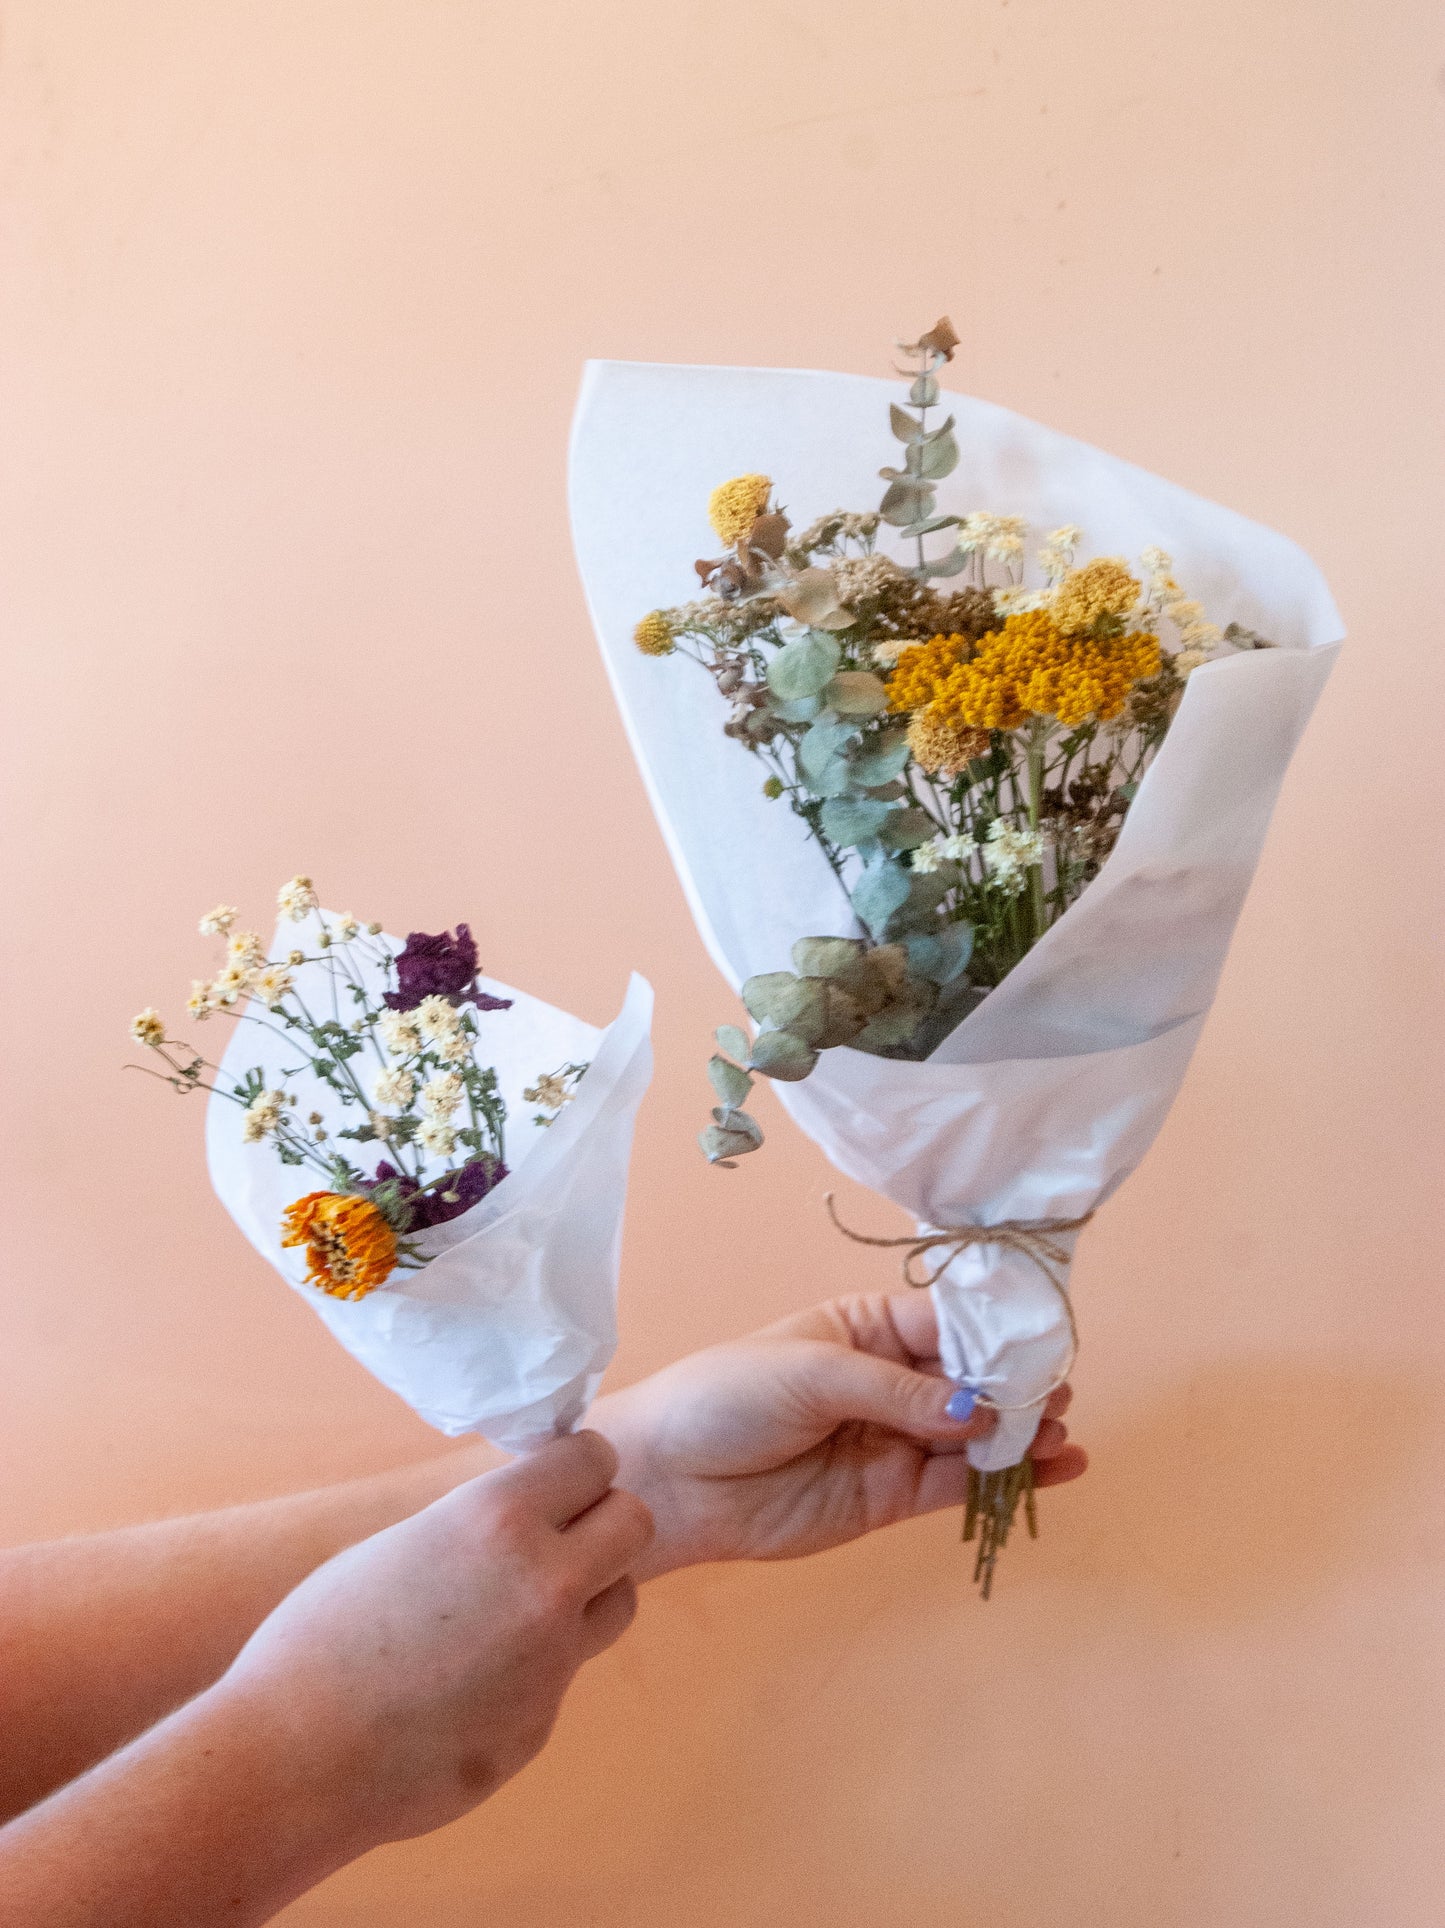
(733, 507)
(1028, 667)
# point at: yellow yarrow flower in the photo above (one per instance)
(733, 507)
(1028, 667)
(1103, 587)
(653, 635)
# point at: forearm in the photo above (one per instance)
(101, 1637)
(220, 1813)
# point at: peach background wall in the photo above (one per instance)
(295, 297)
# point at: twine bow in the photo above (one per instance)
(1039, 1240)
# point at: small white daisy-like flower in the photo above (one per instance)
(1009, 853)
(346, 928)
(1014, 599)
(201, 1002)
(885, 654)
(272, 984)
(437, 1017)
(1005, 548)
(443, 1094)
(297, 899)
(262, 1117)
(217, 922)
(927, 857)
(437, 1138)
(457, 1049)
(148, 1027)
(550, 1091)
(233, 983)
(381, 1124)
(395, 1088)
(399, 1033)
(957, 850)
(245, 949)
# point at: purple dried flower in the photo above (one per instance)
(467, 1187)
(440, 966)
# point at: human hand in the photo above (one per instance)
(805, 1435)
(424, 1667)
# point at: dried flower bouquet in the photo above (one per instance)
(358, 1128)
(1015, 787)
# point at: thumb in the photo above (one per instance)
(843, 1385)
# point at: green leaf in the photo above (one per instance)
(953, 564)
(937, 434)
(957, 942)
(785, 1002)
(731, 1084)
(880, 759)
(734, 1040)
(851, 820)
(924, 392)
(895, 1025)
(804, 667)
(826, 956)
(802, 709)
(879, 892)
(939, 456)
(907, 829)
(906, 500)
(820, 755)
(783, 1055)
(904, 426)
(721, 1144)
(856, 692)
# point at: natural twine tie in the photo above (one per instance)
(1039, 1239)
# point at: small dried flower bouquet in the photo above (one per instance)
(373, 1129)
(964, 788)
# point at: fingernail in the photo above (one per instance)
(962, 1404)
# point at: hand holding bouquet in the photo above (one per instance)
(373, 1127)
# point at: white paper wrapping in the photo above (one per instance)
(508, 1329)
(1048, 1095)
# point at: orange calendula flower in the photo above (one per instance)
(350, 1248)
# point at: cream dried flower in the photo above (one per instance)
(442, 1095)
(400, 1033)
(272, 985)
(437, 1017)
(261, 1118)
(437, 1138)
(246, 951)
(232, 983)
(148, 1027)
(550, 1091)
(456, 1049)
(217, 922)
(395, 1088)
(201, 1002)
(927, 858)
(347, 928)
(1009, 853)
(297, 899)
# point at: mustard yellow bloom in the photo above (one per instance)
(733, 507)
(1103, 587)
(1028, 667)
(653, 635)
(350, 1248)
(943, 745)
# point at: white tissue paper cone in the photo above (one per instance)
(508, 1329)
(1047, 1096)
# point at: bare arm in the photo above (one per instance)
(100, 1637)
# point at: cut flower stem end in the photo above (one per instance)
(989, 1513)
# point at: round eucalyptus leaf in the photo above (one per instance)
(783, 1055)
(856, 692)
(803, 667)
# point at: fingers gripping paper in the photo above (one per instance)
(509, 1326)
(1044, 1099)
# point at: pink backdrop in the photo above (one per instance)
(295, 299)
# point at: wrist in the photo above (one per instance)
(621, 1419)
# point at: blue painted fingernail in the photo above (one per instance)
(962, 1404)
